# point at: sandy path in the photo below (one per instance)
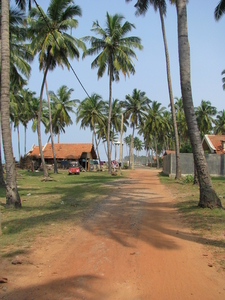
(132, 246)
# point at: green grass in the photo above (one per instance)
(209, 224)
(48, 206)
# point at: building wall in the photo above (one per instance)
(216, 164)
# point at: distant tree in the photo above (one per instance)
(62, 107)
(205, 113)
(135, 108)
(154, 124)
(89, 113)
(138, 145)
(219, 122)
(114, 53)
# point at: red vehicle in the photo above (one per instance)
(74, 168)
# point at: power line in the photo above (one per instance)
(38, 7)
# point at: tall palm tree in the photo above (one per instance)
(51, 40)
(12, 195)
(205, 112)
(114, 51)
(208, 196)
(135, 107)
(154, 124)
(219, 10)
(89, 112)
(219, 122)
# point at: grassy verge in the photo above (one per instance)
(208, 224)
(47, 207)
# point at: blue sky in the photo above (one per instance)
(207, 44)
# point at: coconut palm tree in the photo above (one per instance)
(138, 145)
(116, 113)
(51, 40)
(205, 112)
(89, 112)
(25, 110)
(135, 107)
(160, 5)
(114, 51)
(208, 196)
(12, 195)
(219, 122)
(154, 124)
(219, 10)
(62, 107)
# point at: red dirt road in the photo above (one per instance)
(131, 246)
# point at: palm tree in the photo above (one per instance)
(142, 7)
(127, 141)
(89, 112)
(205, 112)
(62, 106)
(12, 195)
(135, 107)
(219, 10)
(219, 122)
(51, 40)
(116, 113)
(208, 196)
(25, 108)
(138, 145)
(154, 124)
(114, 52)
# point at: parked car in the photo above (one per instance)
(74, 168)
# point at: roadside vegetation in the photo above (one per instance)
(49, 207)
(207, 224)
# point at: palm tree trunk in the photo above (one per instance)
(156, 152)
(2, 181)
(96, 144)
(109, 118)
(208, 196)
(50, 126)
(178, 171)
(58, 134)
(12, 195)
(132, 150)
(39, 125)
(25, 140)
(18, 133)
(121, 141)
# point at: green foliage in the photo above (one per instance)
(186, 148)
(188, 179)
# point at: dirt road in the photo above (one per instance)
(132, 246)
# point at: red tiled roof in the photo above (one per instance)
(215, 142)
(64, 151)
(167, 152)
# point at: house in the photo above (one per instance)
(214, 144)
(64, 153)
